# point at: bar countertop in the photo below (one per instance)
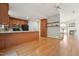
(16, 31)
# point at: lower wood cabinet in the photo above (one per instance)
(2, 41)
(12, 39)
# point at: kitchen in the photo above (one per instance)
(29, 25)
(14, 31)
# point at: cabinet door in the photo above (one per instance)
(4, 19)
(2, 42)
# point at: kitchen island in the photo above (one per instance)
(12, 38)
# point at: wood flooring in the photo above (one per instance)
(69, 46)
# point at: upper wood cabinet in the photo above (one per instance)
(13, 21)
(4, 19)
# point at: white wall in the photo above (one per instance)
(33, 25)
(54, 32)
(77, 27)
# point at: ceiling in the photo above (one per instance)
(69, 11)
(32, 11)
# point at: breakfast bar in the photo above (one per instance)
(12, 38)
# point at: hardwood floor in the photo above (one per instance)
(69, 46)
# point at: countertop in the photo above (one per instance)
(16, 31)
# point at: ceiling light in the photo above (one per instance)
(58, 6)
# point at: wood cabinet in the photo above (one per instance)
(1, 42)
(17, 21)
(4, 19)
(43, 27)
(12, 39)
